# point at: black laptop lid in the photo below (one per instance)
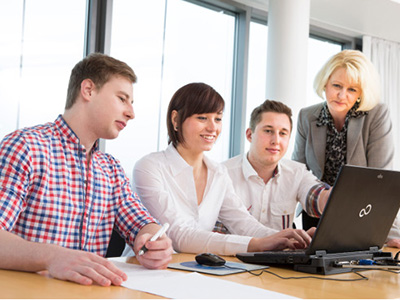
(360, 211)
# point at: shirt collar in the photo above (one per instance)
(69, 134)
(249, 171)
(247, 168)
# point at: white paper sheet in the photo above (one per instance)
(190, 285)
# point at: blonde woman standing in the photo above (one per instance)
(351, 126)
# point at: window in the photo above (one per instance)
(319, 51)
(181, 43)
(10, 49)
(167, 43)
(43, 41)
(138, 40)
(257, 70)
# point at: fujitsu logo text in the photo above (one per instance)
(365, 211)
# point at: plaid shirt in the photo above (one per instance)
(49, 194)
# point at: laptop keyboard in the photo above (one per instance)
(286, 252)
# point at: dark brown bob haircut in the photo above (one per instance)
(193, 98)
(269, 106)
(99, 68)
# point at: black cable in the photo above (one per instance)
(320, 278)
(303, 277)
(396, 257)
(251, 272)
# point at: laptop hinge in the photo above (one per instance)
(374, 249)
(320, 253)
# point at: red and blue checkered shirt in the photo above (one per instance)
(49, 194)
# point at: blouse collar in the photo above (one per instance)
(326, 118)
(178, 164)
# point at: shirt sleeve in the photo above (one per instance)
(394, 232)
(380, 148)
(310, 188)
(132, 216)
(235, 216)
(15, 168)
(312, 207)
(300, 141)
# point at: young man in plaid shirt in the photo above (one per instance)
(61, 197)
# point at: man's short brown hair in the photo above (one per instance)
(269, 106)
(99, 68)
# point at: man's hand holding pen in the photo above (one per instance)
(153, 248)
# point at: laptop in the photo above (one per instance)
(360, 211)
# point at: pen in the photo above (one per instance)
(159, 233)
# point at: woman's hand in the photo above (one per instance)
(285, 239)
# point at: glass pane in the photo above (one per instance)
(199, 46)
(257, 72)
(10, 52)
(42, 44)
(319, 52)
(195, 45)
(137, 39)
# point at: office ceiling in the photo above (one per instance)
(379, 18)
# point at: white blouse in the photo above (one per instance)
(165, 184)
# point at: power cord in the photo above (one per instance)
(396, 257)
(362, 277)
(243, 269)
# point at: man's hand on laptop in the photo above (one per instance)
(311, 231)
(395, 243)
(285, 239)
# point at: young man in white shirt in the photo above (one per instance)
(270, 186)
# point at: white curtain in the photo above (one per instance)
(385, 55)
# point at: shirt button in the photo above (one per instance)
(263, 210)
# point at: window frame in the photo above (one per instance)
(98, 39)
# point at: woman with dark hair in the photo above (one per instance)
(181, 186)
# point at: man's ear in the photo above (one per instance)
(87, 88)
(249, 134)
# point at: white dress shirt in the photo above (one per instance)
(273, 203)
(165, 184)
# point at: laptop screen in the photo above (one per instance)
(360, 210)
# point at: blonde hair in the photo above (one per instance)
(359, 69)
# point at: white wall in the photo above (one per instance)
(379, 18)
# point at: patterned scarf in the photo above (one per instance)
(336, 142)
